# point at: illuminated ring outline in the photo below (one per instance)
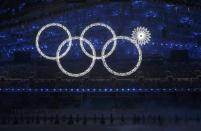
(74, 74)
(136, 66)
(93, 25)
(52, 25)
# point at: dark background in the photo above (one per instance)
(164, 91)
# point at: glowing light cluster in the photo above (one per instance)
(140, 36)
(98, 90)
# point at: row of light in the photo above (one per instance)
(96, 90)
(153, 43)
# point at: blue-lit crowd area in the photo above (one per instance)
(164, 91)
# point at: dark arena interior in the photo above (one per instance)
(104, 65)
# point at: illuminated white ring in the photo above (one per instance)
(74, 74)
(51, 25)
(139, 58)
(93, 25)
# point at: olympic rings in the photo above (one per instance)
(93, 55)
(52, 25)
(139, 58)
(103, 25)
(58, 57)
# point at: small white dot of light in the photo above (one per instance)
(54, 89)
(122, 89)
(77, 89)
(175, 89)
(140, 89)
(111, 89)
(133, 89)
(66, 89)
(100, 89)
(128, 89)
(117, 89)
(93, 25)
(0, 89)
(18, 89)
(47, 89)
(83, 89)
(105, 89)
(189, 89)
(152, 89)
(60, 89)
(88, 89)
(94, 89)
(71, 89)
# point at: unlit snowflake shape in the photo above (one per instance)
(141, 35)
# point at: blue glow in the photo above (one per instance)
(151, 14)
(22, 37)
(186, 20)
(89, 90)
